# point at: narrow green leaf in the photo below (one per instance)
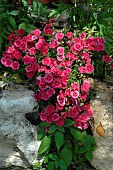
(66, 155)
(68, 122)
(92, 139)
(50, 166)
(28, 27)
(76, 134)
(15, 12)
(62, 129)
(89, 156)
(4, 36)
(39, 8)
(59, 139)
(53, 12)
(34, 5)
(12, 21)
(76, 147)
(24, 2)
(44, 124)
(84, 134)
(107, 47)
(62, 164)
(40, 136)
(87, 144)
(93, 147)
(53, 128)
(9, 29)
(109, 39)
(45, 144)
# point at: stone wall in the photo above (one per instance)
(103, 113)
(18, 144)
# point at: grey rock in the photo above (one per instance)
(103, 112)
(18, 144)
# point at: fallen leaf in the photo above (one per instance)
(100, 130)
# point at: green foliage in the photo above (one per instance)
(66, 155)
(52, 129)
(59, 139)
(68, 123)
(45, 144)
(50, 165)
(75, 145)
(62, 164)
(76, 134)
(27, 27)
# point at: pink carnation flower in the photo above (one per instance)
(59, 36)
(75, 86)
(106, 58)
(15, 65)
(61, 100)
(85, 125)
(37, 32)
(74, 94)
(43, 116)
(48, 31)
(82, 69)
(69, 35)
(60, 122)
(50, 109)
(83, 96)
(49, 119)
(27, 59)
(78, 46)
(53, 44)
(89, 68)
(59, 107)
(21, 31)
(30, 74)
(89, 113)
(17, 43)
(85, 86)
(83, 118)
(48, 78)
(29, 68)
(45, 95)
(35, 66)
(50, 92)
(43, 86)
(32, 51)
(56, 83)
(46, 61)
(60, 50)
(55, 117)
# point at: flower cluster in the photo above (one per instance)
(58, 62)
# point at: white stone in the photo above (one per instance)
(103, 112)
(18, 144)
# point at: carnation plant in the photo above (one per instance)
(60, 64)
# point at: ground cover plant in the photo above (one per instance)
(59, 63)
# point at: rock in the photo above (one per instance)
(18, 144)
(103, 114)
